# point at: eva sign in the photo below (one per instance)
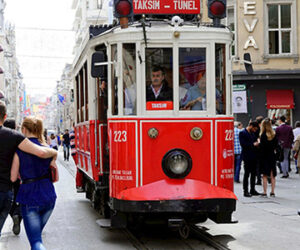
(166, 6)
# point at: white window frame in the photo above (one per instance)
(293, 29)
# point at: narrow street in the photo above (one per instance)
(263, 223)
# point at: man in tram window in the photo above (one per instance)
(159, 89)
(195, 98)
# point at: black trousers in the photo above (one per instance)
(15, 208)
(250, 169)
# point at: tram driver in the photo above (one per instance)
(158, 90)
(195, 98)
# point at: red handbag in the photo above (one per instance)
(54, 173)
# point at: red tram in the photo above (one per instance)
(154, 130)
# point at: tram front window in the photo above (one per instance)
(129, 79)
(192, 78)
(159, 79)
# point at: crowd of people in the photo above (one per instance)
(264, 146)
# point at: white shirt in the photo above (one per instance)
(296, 132)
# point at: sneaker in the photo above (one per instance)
(284, 176)
(264, 195)
(246, 194)
(16, 227)
(272, 194)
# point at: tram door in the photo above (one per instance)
(102, 107)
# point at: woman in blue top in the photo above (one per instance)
(36, 194)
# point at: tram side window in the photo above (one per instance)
(114, 81)
(129, 79)
(192, 78)
(159, 79)
(220, 79)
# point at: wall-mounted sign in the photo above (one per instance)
(239, 102)
(239, 87)
(166, 6)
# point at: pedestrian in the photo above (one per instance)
(15, 211)
(249, 145)
(66, 145)
(268, 143)
(53, 142)
(238, 126)
(79, 174)
(36, 194)
(296, 149)
(259, 120)
(296, 132)
(285, 136)
(13, 140)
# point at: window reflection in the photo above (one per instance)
(129, 79)
(192, 78)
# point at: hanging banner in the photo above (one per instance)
(239, 102)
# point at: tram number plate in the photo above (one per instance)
(229, 135)
(120, 136)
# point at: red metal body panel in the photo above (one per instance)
(136, 162)
(171, 189)
(123, 156)
(176, 134)
(86, 141)
(225, 154)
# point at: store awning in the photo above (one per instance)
(280, 99)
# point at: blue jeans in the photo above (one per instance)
(237, 166)
(35, 219)
(6, 199)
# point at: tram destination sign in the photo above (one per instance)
(166, 6)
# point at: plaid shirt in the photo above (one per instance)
(237, 145)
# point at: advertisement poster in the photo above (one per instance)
(239, 102)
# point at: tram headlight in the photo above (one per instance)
(177, 163)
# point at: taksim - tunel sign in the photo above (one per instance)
(166, 6)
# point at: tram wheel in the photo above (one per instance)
(184, 231)
(95, 199)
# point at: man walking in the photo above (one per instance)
(285, 136)
(66, 144)
(249, 145)
(10, 141)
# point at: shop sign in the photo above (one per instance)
(239, 87)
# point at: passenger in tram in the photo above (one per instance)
(36, 194)
(159, 89)
(195, 98)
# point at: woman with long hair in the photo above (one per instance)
(36, 194)
(268, 143)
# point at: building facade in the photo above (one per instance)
(268, 31)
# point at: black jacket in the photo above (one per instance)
(166, 94)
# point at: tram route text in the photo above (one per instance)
(157, 5)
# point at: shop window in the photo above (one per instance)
(192, 79)
(279, 28)
(159, 79)
(231, 25)
(129, 79)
